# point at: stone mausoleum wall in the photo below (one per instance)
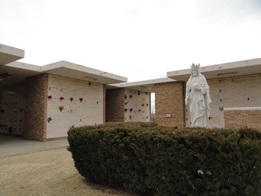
(72, 102)
(127, 105)
(136, 106)
(12, 109)
(23, 108)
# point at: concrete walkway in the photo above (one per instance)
(12, 145)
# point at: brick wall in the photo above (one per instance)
(115, 105)
(36, 107)
(169, 99)
(238, 118)
(104, 103)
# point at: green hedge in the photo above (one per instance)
(149, 159)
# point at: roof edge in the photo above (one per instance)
(81, 68)
(217, 68)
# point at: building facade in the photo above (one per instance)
(234, 86)
(41, 103)
(127, 105)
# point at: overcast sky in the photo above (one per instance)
(138, 39)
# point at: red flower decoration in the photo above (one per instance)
(49, 97)
(61, 98)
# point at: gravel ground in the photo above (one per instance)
(50, 172)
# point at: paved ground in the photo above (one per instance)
(43, 168)
(12, 145)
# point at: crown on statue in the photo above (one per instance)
(194, 66)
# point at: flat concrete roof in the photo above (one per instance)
(237, 68)
(76, 71)
(12, 72)
(18, 71)
(145, 85)
(10, 54)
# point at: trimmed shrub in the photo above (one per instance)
(150, 159)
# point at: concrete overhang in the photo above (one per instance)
(12, 72)
(71, 70)
(145, 85)
(10, 54)
(18, 71)
(231, 69)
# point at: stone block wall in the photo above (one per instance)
(243, 117)
(36, 107)
(12, 109)
(136, 106)
(81, 102)
(169, 104)
(115, 105)
(127, 105)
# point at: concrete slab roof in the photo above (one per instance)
(10, 54)
(12, 72)
(18, 71)
(145, 85)
(237, 68)
(68, 69)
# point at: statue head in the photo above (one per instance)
(194, 69)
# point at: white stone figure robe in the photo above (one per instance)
(198, 98)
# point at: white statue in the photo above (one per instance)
(198, 98)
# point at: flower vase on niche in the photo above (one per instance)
(61, 98)
(81, 99)
(49, 119)
(61, 108)
(71, 99)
